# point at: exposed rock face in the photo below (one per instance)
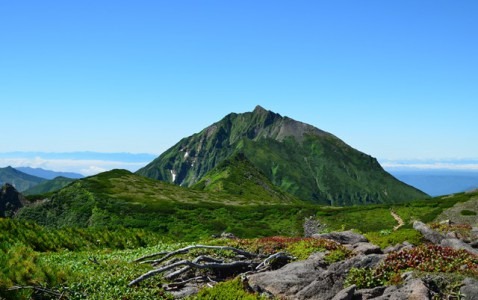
(428, 233)
(443, 240)
(310, 279)
(470, 288)
(10, 201)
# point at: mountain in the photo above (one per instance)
(302, 160)
(21, 181)
(47, 174)
(49, 186)
(439, 182)
(10, 201)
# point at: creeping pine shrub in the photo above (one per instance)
(425, 258)
(463, 230)
(301, 248)
(432, 258)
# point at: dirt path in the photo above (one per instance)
(398, 219)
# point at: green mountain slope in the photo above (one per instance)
(121, 198)
(21, 181)
(238, 176)
(49, 186)
(300, 159)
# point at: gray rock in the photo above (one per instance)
(287, 281)
(310, 279)
(331, 281)
(398, 247)
(428, 233)
(365, 294)
(414, 289)
(470, 289)
(345, 294)
(343, 237)
(366, 248)
(458, 244)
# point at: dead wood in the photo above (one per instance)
(212, 265)
(185, 250)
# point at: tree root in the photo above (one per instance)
(244, 262)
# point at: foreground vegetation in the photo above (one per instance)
(91, 259)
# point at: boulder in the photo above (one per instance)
(428, 233)
(328, 283)
(365, 294)
(366, 248)
(470, 289)
(414, 289)
(287, 281)
(342, 237)
(310, 279)
(398, 247)
(345, 294)
(458, 244)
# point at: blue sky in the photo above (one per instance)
(395, 79)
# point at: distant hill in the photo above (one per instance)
(122, 198)
(47, 174)
(21, 181)
(49, 186)
(10, 200)
(439, 182)
(309, 163)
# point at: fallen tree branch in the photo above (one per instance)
(180, 284)
(189, 248)
(211, 265)
(197, 260)
(279, 255)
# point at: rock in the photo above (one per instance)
(343, 237)
(345, 294)
(328, 283)
(458, 244)
(398, 247)
(310, 279)
(287, 281)
(470, 289)
(365, 294)
(428, 233)
(414, 289)
(366, 248)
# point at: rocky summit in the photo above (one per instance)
(300, 159)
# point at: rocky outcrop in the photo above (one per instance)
(312, 278)
(10, 201)
(449, 240)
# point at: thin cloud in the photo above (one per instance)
(85, 167)
(459, 165)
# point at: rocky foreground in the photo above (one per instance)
(315, 279)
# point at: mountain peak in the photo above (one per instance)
(260, 110)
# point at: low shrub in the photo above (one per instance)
(384, 239)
